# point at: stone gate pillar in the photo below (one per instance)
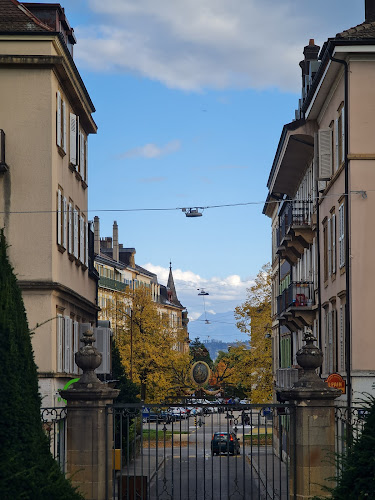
(312, 433)
(89, 433)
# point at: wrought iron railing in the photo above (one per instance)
(54, 425)
(298, 294)
(293, 213)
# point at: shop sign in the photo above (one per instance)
(336, 381)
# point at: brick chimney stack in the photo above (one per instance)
(370, 11)
(115, 254)
(96, 235)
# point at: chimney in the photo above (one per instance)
(115, 254)
(96, 235)
(370, 11)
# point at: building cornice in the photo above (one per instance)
(34, 285)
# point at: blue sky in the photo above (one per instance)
(191, 97)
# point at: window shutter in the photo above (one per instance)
(63, 138)
(330, 341)
(64, 224)
(70, 228)
(58, 119)
(75, 230)
(86, 163)
(82, 239)
(87, 244)
(67, 344)
(329, 247)
(59, 201)
(73, 139)
(343, 134)
(333, 222)
(325, 154)
(336, 144)
(341, 236)
(82, 155)
(59, 340)
(76, 345)
(342, 348)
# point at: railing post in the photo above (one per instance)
(313, 435)
(89, 432)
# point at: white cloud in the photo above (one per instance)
(224, 293)
(152, 150)
(195, 44)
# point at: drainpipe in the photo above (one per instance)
(319, 269)
(347, 228)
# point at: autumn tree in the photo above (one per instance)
(147, 343)
(254, 318)
(228, 370)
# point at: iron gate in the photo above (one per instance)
(199, 451)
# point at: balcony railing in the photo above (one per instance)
(293, 213)
(112, 284)
(298, 294)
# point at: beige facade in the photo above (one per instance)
(321, 200)
(45, 113)
(118, 273)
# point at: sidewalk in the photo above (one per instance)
(272, 473)
(138, 474)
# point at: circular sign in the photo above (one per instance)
(200, 373)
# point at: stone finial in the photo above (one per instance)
(88, 358)
(310, 385)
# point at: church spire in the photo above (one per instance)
(171, 287)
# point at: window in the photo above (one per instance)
(61, 219)
(340, 138)
(75, 233)
(66, 342)
(324, 154)
(78, 148)
(60, 124)
(333, 243)
(342, 236)
(325, 250)
(342, 337)
(70, 228)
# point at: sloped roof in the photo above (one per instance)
(14, 17)
(362, 31)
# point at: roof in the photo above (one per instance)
(14, 17)
(362, 31)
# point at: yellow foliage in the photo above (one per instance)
(147, 344)
(254, 318)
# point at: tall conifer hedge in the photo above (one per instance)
(27, 468)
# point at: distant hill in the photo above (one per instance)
(217, 333)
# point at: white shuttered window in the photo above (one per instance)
(73, 139)
(68, 324)
(64, 222)
(59, 342)
(75, 231)
(70, 228)
(58, 119)
(82, 239)
(324, 154)
(341, 235)
(59, 219)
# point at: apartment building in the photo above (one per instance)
(45, 121)
(119, 273)
(321, 200)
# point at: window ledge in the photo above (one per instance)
(78, 175)
(61, 248)
(61, 151)
(84, 184)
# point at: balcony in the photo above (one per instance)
(296, 305)
(112, 284)
(295, 231)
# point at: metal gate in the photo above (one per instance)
(200, 451)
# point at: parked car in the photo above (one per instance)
(225, 442)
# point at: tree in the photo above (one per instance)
(27, 468)
(254, 318)
(147, 344)
(228, 370)
(128, 390)
(199, 352)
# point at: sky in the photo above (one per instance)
(191, 97)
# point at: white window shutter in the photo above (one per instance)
(73, 139)
(341, 236)
(59, 341)
(329, 248)
(108, 342)
(58, 119)
(336, 144)
(343, 134)
(64, 224)
(63, 138)
(75, 345)
(87, 244)
(82, 154)
(75, 231)
(333, 222)
(85, 173)
(325, 154)
(82, 239)
(70, 228)
(67, 344)
(59, 202)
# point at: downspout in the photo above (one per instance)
(347, 227)
(319, 269)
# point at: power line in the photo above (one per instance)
(207, 207)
